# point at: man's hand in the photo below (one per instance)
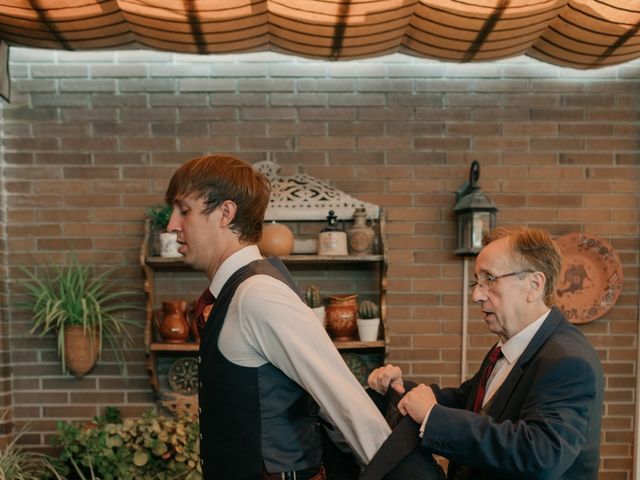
(384, 377)
(417, 403)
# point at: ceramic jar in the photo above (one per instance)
(172, 322)
(276, 240)
(341, 314)
(360, 236)
(332, 241)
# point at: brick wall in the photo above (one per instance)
(91, 138)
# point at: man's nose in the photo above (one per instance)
(174, 224)
(477, 295)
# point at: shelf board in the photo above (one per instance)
(358, 344)
(194, 347)
(331, 258)
(169, 262)
(166, 262)
(174, 347)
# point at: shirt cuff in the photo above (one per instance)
(426, 417)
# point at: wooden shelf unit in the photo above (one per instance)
(152, 265)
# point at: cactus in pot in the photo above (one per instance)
(367, 309)
(312, 296)
(314, 301)
(368, 321)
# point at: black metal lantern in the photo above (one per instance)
(475, 213)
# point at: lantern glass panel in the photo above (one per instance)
(481, 225)
(465, 222)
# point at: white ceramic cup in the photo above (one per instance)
(169, 245)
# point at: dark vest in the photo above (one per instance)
(251, 415)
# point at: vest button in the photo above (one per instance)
(199, 359)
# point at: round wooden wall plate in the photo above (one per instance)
(590, 279)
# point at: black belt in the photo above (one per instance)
(306, 474)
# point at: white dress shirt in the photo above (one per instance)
(511, 351)
(267, 322)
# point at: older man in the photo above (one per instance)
(533, 410)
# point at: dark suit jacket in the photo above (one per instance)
(543, 422)
(399, 457)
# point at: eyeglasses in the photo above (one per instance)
(485, 283)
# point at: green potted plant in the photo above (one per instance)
(163, 242)
(159, 216)
(84, 309)
(368, 321)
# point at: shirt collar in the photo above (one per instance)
(514, 347)
(236, 261)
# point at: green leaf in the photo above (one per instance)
(140, 458)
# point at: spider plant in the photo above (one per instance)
(17, 464)
(76, 295)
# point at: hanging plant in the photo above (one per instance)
(75, 302)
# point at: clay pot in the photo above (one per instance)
(172, 323)
(276, 240)
(81, 349)
(341, 314)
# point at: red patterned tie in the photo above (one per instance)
(495, 354)
(203, 308)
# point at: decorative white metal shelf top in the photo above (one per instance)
(303, 197)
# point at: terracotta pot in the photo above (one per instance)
(341, 314)
(81, 349)
(172, 323)
(276, 240)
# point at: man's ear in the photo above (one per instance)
(228, 210)
(537, 281)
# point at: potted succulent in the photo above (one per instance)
(368, 321)
(165, 243)
(84, 309)
(314, 301)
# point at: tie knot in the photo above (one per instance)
(206, 297)
(203, 307)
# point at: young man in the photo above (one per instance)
(265, 361)
(534, 408)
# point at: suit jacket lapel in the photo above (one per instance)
(504, 393)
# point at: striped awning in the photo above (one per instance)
(581, 34)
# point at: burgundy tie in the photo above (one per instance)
(495, 354)
(203, 308)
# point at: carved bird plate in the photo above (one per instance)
(590, 279)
